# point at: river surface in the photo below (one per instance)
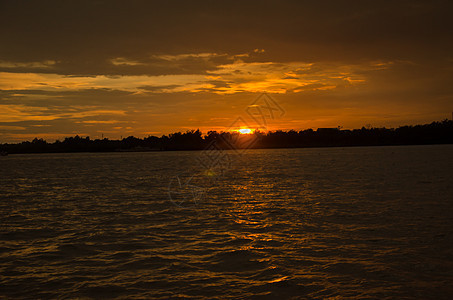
(353, 223)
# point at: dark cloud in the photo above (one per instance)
(158, 88)
(83, 36)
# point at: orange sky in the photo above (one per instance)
(146, 68)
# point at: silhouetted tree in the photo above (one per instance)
(434, 133)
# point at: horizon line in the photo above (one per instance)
(339, 128)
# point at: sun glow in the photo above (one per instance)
(244, 131)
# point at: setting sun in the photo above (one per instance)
(244, 131)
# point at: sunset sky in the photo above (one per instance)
(122, 68)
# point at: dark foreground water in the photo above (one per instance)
(372, 222)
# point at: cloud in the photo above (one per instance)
(99, 122)
(16, 113)
(8, 128)
(27, 65)
(121, 61)
(228, 78)
(287, 30)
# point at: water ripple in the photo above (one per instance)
(354, 223)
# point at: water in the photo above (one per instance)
(368, 222)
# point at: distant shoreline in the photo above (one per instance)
(435, 133)
(195, 150)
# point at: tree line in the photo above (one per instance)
(433, 133)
